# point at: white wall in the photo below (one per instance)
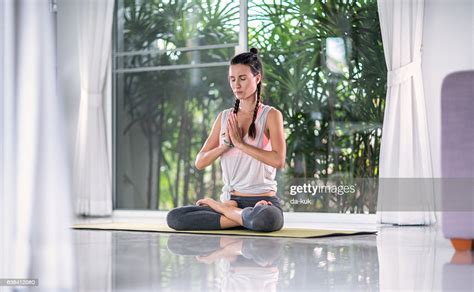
(448, 46)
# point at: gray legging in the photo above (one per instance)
(260, 218)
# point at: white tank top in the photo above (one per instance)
(240, 171)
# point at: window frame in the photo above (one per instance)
(241, 46)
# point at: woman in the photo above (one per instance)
(250, 140)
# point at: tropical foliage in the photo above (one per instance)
(324, 69)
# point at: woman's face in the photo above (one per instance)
(242, 81)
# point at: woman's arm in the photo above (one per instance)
(275, 157)
(211, 150)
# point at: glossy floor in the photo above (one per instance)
(397, 258)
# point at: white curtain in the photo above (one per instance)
(35, 173)
(92, 174)
(405, 151)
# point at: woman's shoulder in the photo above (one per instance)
(223, 114)
(274, 117)
(226, 111)
(273, 112)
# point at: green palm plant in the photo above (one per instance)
(333, 118)
(168, 112)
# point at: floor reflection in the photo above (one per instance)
(397, 258)
(407, 257)
(243, 264)
(458, 274)
(151, 261)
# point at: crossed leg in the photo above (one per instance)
(231, 214)
(212, 215)
(227, 223)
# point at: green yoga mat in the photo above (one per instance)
(285, 232)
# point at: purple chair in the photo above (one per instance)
(457, 158)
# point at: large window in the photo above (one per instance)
(324, 70)
(169, 61)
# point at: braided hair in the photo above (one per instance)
(252, 60)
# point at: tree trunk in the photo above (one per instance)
(151, 156)
(180, 150)
(202, 187)
(159, 154)
(154, 173)
(187, 154)
(178, 167)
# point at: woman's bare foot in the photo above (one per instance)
(263, 202)
(230, 249)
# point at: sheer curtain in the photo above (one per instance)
(405, 150)
(35, 193)
(92, 174)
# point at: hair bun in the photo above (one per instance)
(254, 51)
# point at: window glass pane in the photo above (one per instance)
(162, 121)
(162, 33)
(170, 67)
(325, 71)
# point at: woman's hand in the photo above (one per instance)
(234, 130)
(204, 202)
(227, 140)
(213, 204)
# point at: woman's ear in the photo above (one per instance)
(259, 78)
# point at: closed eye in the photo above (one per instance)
(241, 78)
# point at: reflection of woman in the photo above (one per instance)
(245, 264)
(250, 141)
